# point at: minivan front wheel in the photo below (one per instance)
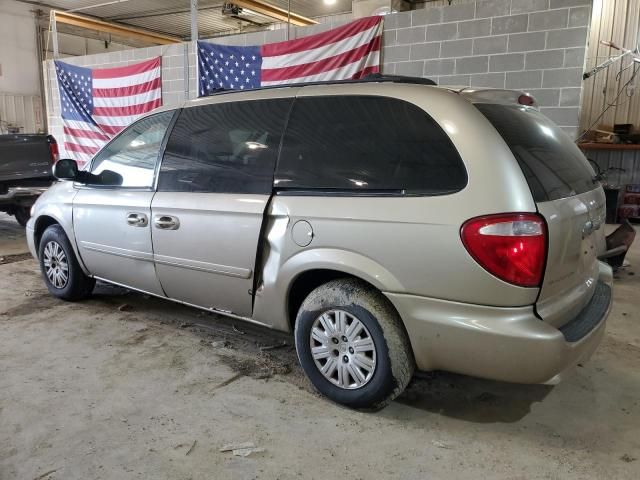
(62, 273)
(352, 345)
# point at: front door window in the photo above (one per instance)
(130, 159)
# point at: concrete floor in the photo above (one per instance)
(124, 386)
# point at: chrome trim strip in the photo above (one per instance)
(120, 252)
(225, 313)
(170, 261)
(203, 266)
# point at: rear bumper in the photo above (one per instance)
(22, 195)
(507, 344)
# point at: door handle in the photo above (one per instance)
(137, 219)
(166, 222)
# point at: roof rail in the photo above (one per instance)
(379, 77)
(370, 78)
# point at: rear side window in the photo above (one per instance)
(224, 148)
(552, 164)
(368, 144)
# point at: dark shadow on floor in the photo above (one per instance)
(182, 316)
(472, 399)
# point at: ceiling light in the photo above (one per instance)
(329, 2)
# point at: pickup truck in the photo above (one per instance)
(25, 171)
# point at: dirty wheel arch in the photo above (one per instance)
(394, 363)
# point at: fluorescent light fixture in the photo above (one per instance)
(96, 6)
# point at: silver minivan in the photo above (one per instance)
(390, 225)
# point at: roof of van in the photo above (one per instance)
(473, 94)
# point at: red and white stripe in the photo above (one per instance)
(350, 51)
(82, 140)
(120, 96)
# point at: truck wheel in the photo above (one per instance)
(352, 345)
(62, 273)
(22, 214)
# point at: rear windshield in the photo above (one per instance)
(552, 164)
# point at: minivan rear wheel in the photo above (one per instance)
(62, 273)
(352, 345)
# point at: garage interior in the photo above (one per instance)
(125, 385)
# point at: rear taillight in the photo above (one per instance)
(511, 246)
(53, 149)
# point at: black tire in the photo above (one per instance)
(22, 214)
(77, 285)
(394, 362)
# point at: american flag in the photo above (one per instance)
(98, 103)
(347, 52)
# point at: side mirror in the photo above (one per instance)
(65, 169)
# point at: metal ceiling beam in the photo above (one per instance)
(280, 14)
(113, 28)
(194, 20)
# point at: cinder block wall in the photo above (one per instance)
(534, 45)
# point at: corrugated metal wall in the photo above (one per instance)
(617, 21)
(24, 111)
(625, 164)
